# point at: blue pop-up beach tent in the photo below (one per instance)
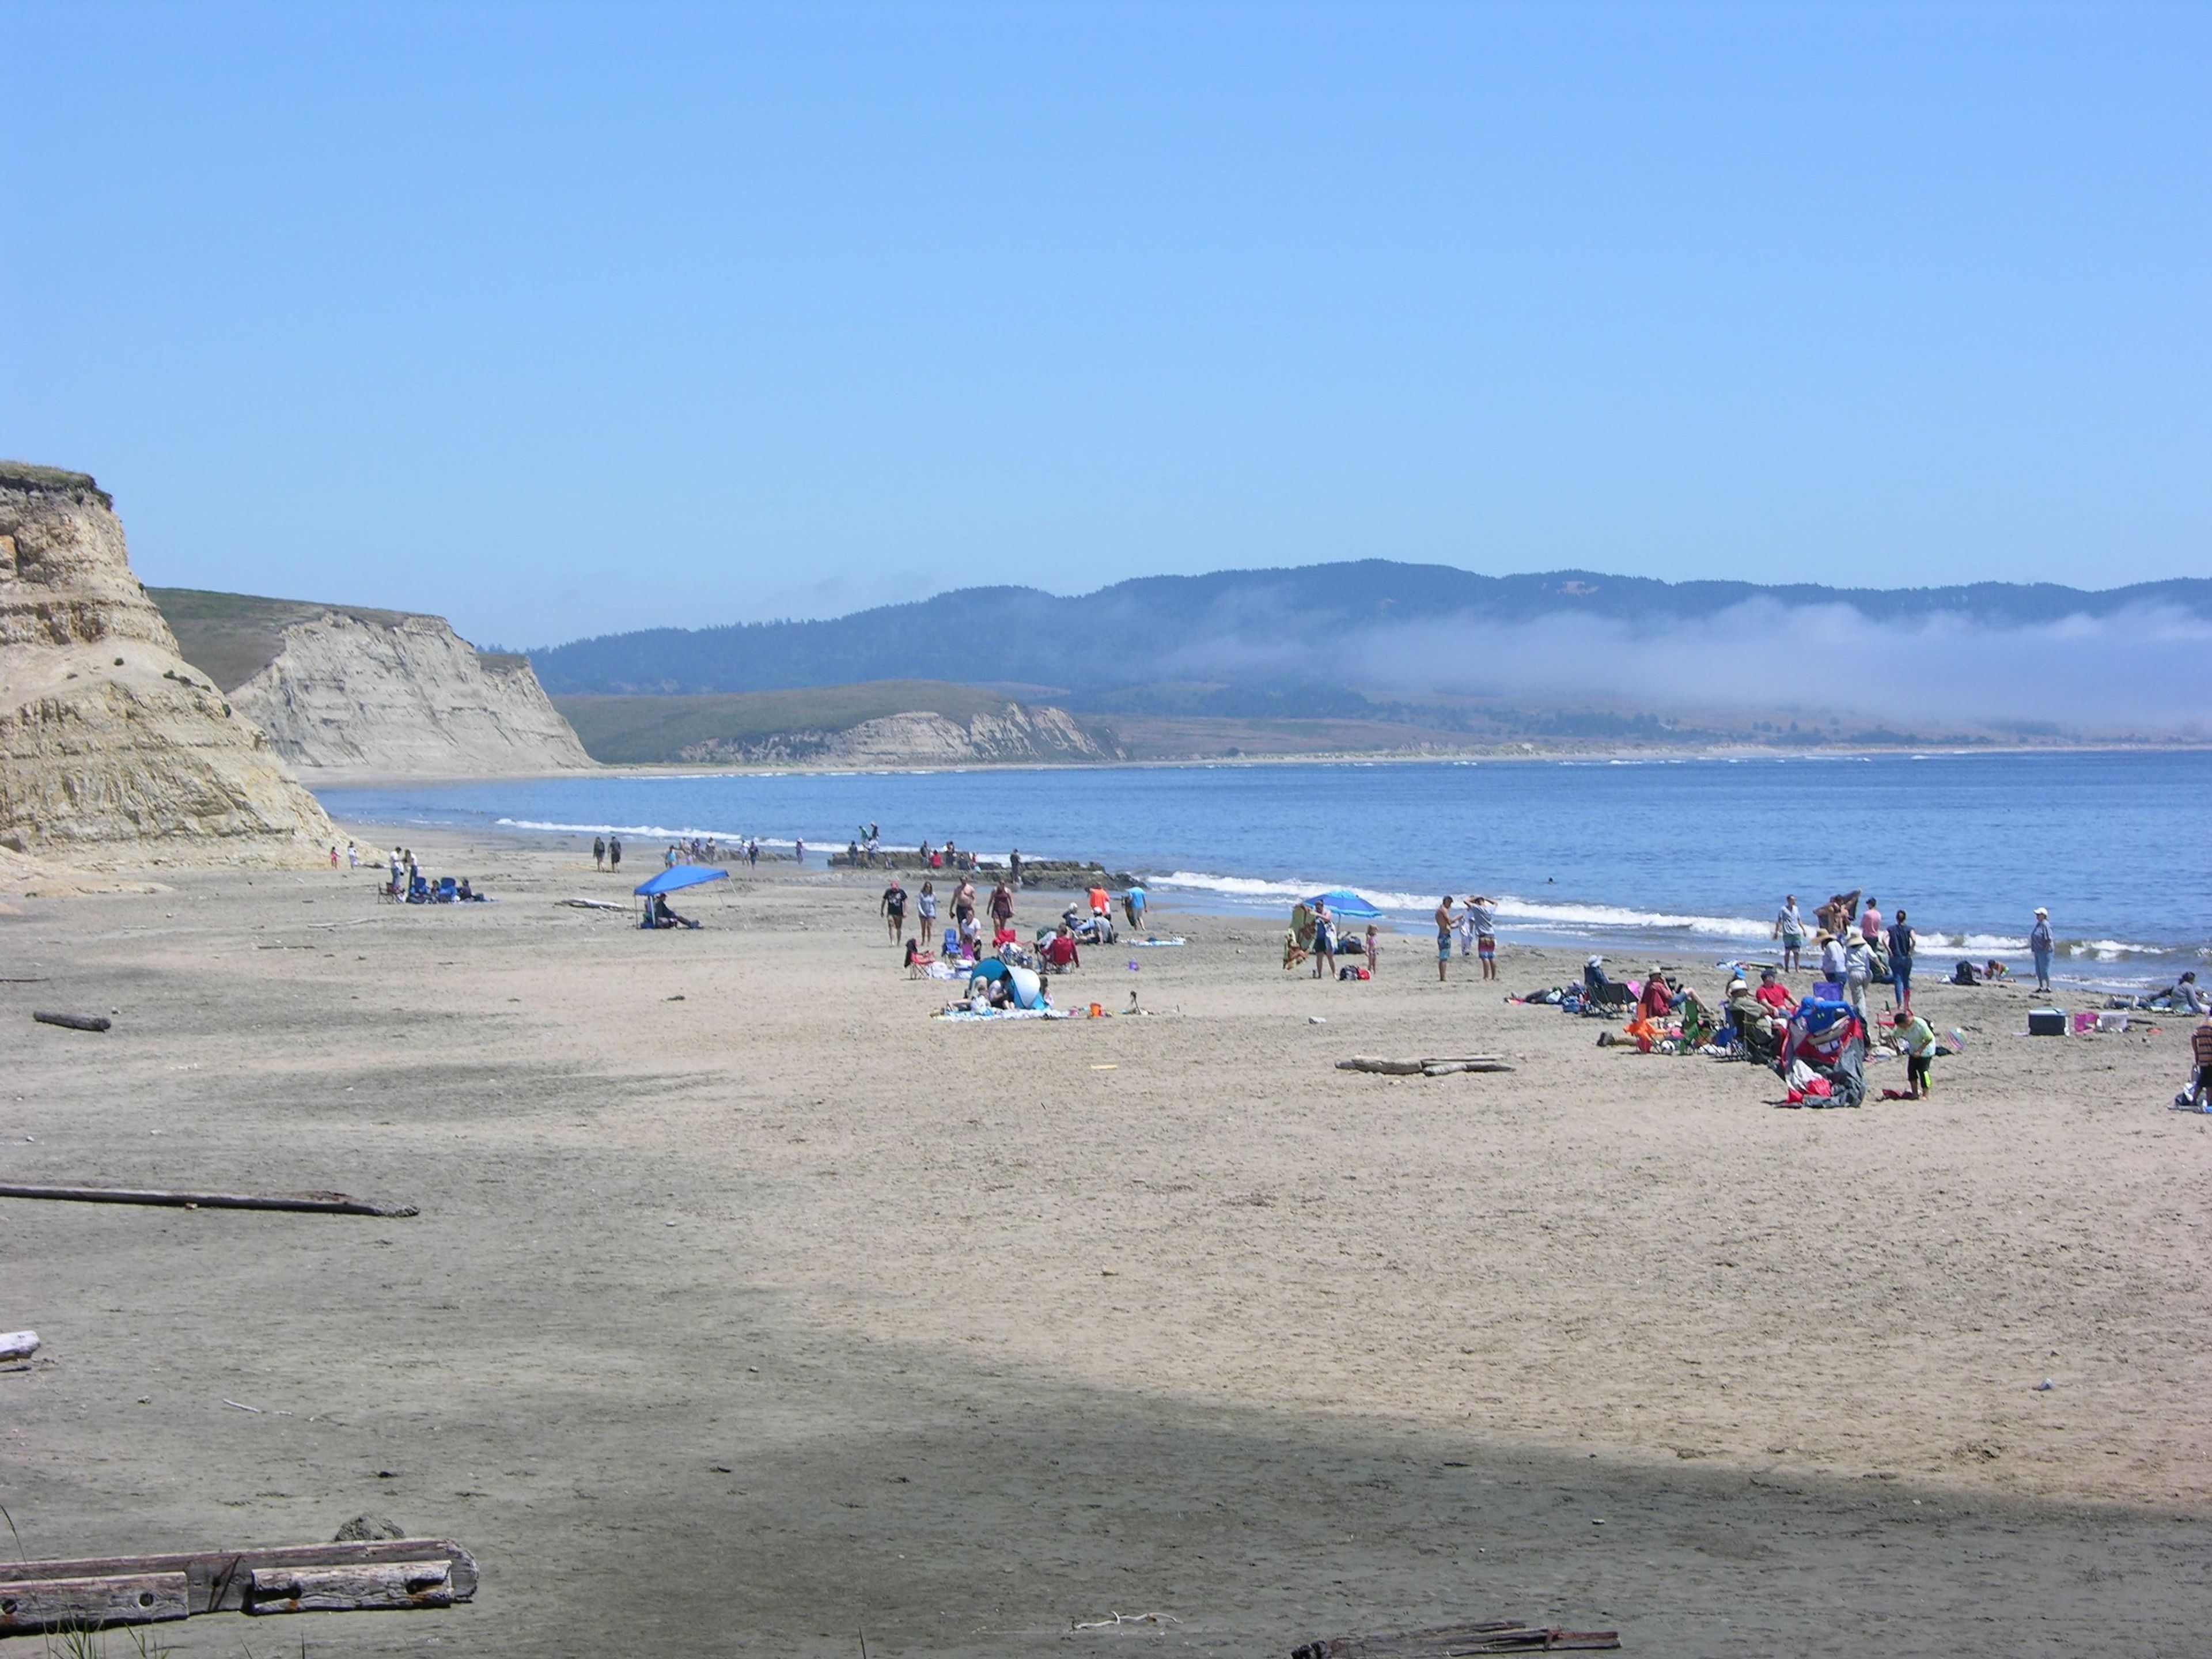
(1028, 989)
(678, 877)
(1343, 901)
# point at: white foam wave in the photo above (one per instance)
(1528, 913)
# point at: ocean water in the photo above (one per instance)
(1692, 853)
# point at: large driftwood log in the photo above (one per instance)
(1450, 1641)
(75, 1022)
(17, 1345)
(323, 1203)
(364, 1587)
(1436, 1065)
(31, 1605)
(224, 1581)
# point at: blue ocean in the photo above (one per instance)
(1690, 854)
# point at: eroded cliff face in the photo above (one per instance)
(403, 694)
(922, 739)
(113, 749)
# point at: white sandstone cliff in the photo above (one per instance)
(384, 692)
(112, 748)
(920, 737)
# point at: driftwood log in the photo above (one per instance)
(17, 1345)
(1450, 1641)
(323, 1203)
(75, 1022)
(1438, 1065)
(143, 1589)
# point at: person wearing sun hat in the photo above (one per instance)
(2040, 943)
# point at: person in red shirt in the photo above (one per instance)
(1774, 993)
(1656, 1001)
(1060, 949)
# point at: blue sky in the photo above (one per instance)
(564, 320)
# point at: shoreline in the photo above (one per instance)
(348, 777)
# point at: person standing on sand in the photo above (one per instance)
(1790, 928)
(353, 856)
(926, 906)
(614, 852)
(1324, 942)
(893, 908)
(1374, 950)
(598, 852)
(1902, 943)
(798, 850)
(1482, 918)
(1002, 907)
(1870, 923)
(2040, 943)
(1443, 936)
(963, 904)
(1014, 866)
(1858, 973)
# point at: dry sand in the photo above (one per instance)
(751, 1309)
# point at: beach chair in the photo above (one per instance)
(1604, 996)
(445, 893)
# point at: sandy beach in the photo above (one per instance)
(752, 1310)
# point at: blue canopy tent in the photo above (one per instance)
(1027, 990)
(1343, 901)
(678, 877)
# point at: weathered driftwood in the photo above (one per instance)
(1450, 1641)
(325, 1203)
(75, 1022)
(590, 904)
(17, 1345)
(1436, 1065)
(382, 1573)
(56, 1602)
(361, 1587)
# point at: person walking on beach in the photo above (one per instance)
(1002, 908)
(894, 909)
(1790, 928)
(598, 852)
(614, 852)
(1870, 923)
(752, 852)
(1443, 936)
(1832, 958)
(1858, 973)
(353, 856)
(1481, 919)
(926, 906)
(2039, 944)
(1902, 943)
(798, 850)
(963, 903)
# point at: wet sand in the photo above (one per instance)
(749, 1309)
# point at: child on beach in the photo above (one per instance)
(1919, 1037)
(1374, 949)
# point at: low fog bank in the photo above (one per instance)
(2143, 671)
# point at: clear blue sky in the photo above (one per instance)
(561, 319)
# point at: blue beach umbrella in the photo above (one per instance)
(676, 877)
(1343, 901)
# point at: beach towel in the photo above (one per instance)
(970, 1014)
(1152, 943)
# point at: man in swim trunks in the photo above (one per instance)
(1483, 916)
(1443, 936)
(893, 908)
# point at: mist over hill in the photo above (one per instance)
(1355, 639)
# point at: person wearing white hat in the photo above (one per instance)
(2040, 943)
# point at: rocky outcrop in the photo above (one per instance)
(390, 692)
(1015, 733)
(113, 749)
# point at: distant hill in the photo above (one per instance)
(1241, 642)
(884, 721)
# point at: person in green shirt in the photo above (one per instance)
(1919, 1037)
